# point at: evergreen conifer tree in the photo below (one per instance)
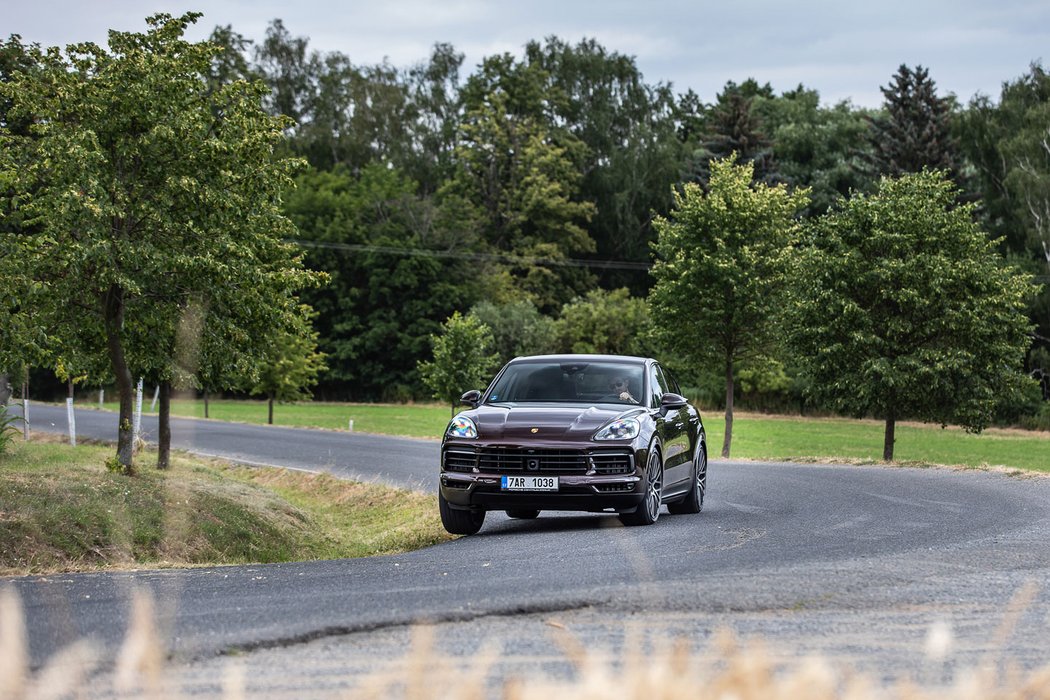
(915, 129)
(733, 127)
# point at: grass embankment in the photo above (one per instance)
(755, 436)
(61, 510)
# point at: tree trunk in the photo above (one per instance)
(114, 320)
(269, 420)
(887, 444)
(205, 403)
(164, 427)
(5, 389)
(728, 441)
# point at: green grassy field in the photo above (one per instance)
(755, 436)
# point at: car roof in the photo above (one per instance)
(581, 358)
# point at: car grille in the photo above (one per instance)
(612, 463)
(517, 460)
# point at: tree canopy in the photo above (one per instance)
(902, 308)
(463, 359)
(722, 261)
(147, 192)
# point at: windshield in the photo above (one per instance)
(572, 382)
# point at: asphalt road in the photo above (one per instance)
(776, 543)
(400, 461)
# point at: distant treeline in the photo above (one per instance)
(525, 188)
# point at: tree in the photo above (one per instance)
(231, 63)
(392, 284)
(732, 126)
(20, 344)
(462, 358)
(822, 148)
(290, 367)
(915, 132)
(518, 328)
(720, 270)
(904, 310)
(1008, 145)
(290, 72)
(632, 151)
(152, 193)
(518, 181)
(604, 322)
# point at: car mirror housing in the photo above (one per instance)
(471, 398)
(672, 402)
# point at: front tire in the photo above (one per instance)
(694, 499)
(459, 522)
(649, 510)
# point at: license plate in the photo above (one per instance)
(529, 483)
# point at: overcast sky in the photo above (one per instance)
(845, 49)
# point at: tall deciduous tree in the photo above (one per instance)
(721, 267)
(822, 148)
(153, 192)
(904, 310)
(1008, 143)
(915, 131)
(632, 152)
(463, 358)
(522, 189)
(290, 367)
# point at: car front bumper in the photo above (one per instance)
(620, 493)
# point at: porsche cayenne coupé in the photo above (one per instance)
(596, 433)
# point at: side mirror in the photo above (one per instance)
(671, 402)
(471, 398)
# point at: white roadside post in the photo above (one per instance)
(136, 421)
(72, 420)
(25, 418)
(350, 426)
(101, 397)
(153, 404)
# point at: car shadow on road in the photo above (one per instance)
(555, 522)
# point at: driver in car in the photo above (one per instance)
(619, 387)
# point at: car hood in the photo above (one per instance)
(539, 422)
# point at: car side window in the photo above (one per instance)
(657, 385)
(672, 383)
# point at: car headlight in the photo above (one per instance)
(462, 427)
(623, 429)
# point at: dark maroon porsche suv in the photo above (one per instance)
(573, 432)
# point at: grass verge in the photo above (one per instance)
(755, 436)
(61, 510)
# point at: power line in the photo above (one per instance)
(478, 257)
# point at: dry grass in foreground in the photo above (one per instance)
(726, 671)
